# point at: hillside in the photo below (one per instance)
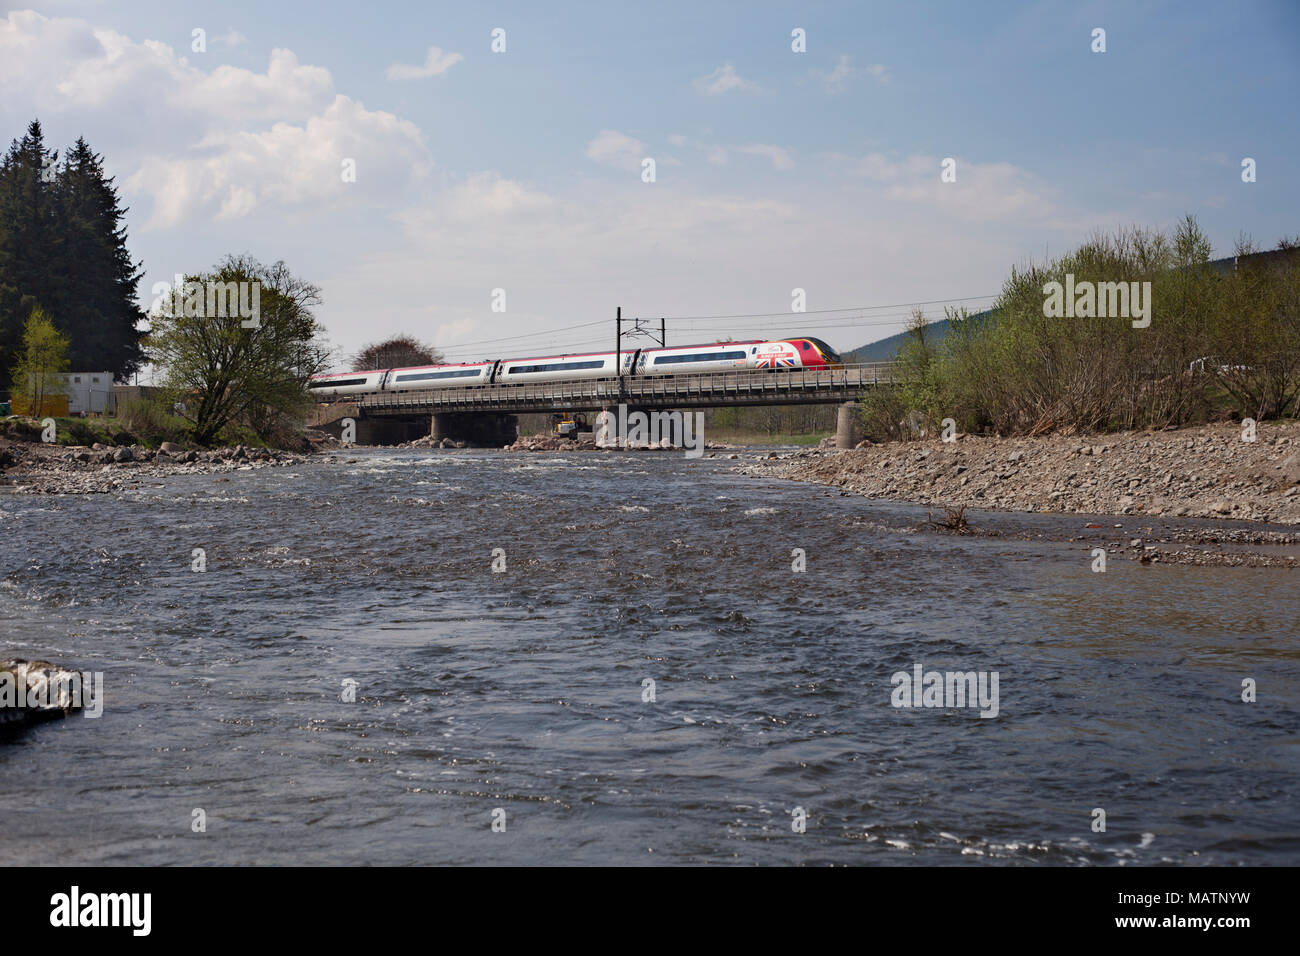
(886, 350)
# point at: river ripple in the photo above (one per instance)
(523, 690)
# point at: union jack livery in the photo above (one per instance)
(755, 355)
(777, 355)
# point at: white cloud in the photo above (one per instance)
(613, 148)
(844, 71)
(206, 145)
(286, 90)
(715, 155)
(878, 166)
(66, 65)
(723, 80)
(780, 158)
(231, 38)
(485, 196)
(436, 63)
(287, 165)
(983, 191)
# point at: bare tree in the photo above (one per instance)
(401, 351)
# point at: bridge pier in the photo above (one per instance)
(848, 428)
(490, 429)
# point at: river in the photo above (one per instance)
(521, 696)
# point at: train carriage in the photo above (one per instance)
(555, 368)
(346, 383)
(438, 376)
(755, 354)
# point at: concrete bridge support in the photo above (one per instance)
(848, 428)
(489, 429)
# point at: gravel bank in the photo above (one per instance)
(37, 469)
(1205, 472)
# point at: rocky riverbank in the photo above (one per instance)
(1205, 472)
(36, 468)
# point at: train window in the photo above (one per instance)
(827, 352)
(555, 367)
(807, 346)
(425, 376)
(336, 383)
(698, 357)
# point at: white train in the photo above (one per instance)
(757, 354)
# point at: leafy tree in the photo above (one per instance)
(44, 356)
(401, 351)
(225, 372)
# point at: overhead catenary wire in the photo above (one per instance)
(856, 308)
(549, 340)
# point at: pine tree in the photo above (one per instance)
(30, 246)
(102, 313)
(63, 245)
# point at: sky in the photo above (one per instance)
(523, 169)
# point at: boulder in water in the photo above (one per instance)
(34, 691)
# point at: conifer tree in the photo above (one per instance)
(63, 245)
(102, 312)
(30, 250)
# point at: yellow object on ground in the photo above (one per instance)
(52, 405)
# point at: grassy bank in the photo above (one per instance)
(138, 423)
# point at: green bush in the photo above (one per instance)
(1219, 341)
(151, 423)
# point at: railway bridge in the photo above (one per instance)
(486, 414)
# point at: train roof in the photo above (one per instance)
(413, 368)
(345, 374)
(702, 345)
(566, 355)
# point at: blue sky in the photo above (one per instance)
(775, 170)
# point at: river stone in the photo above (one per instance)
(16, 673)
(1290, 468)
(170, 447)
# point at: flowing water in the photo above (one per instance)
(525, 690)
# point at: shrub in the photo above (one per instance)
(151, 423)
(1218, 339)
